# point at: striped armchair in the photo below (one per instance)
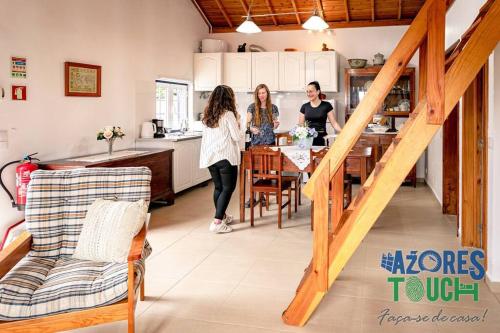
(42, 288)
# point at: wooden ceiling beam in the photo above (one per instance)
(295, 9)
(346, 5)
(399, 9)
(373, 10)
(270, 7)
(244, 5)
(333, 25)
(224, 13)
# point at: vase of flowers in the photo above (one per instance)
(110, 133)
(303, 135)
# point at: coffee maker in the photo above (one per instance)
(160, 130)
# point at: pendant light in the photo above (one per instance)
(315, 22)
(248, 26)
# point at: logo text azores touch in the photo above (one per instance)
(452, 266)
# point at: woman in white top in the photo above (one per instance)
(220, 151)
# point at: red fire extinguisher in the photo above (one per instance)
(23, 176)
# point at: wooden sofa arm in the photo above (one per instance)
(14, 252)
(137, 245)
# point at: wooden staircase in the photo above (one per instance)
(337, 237)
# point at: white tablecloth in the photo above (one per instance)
(300, 157)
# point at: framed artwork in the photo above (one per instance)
(82, 80)
(18, 67)
(18, 93)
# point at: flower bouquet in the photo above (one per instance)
(303, 135)
(110, 133)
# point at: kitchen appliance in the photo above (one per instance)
(160, 130)
(213, 45)
(148, 129)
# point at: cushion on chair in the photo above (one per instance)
(48, 281)
(57, 202)
(42, 286)
(108, 230)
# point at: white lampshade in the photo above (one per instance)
(315, 23)
(248, 27)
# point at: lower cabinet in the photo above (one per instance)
(186, 161)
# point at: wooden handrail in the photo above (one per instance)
(384, 81)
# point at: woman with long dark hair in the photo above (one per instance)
(220, 151)
(316, 112)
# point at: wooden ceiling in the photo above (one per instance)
(226, 15)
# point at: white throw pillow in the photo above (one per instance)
(108, 230)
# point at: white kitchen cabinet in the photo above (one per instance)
(323, 67)
(265, 69)
(207, 71)
(238, 71)
(186, 156)
(292, 71)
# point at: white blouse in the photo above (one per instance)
(222, 142)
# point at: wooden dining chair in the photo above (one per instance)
(266, 168)
(294, 177)
(316, 157)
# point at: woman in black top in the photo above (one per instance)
(316, 111)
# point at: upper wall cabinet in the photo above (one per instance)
(207, 71)
(238, 71)
(323, 67)
(292, 71)
(265, 69)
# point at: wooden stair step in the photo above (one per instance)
(362, 191)
(307, 271)
(378, 167)
(343, 219)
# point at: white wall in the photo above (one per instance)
(135, 43)
(349, 43)
(493, 272)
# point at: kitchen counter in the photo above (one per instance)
(173, 137)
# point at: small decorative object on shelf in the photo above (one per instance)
(110, 133)
(303, 135)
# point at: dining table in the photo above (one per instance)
(357, 163)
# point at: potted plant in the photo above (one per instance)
(110, 133)
(303, 135)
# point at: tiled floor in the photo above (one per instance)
(197, 281)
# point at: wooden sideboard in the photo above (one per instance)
(380, 142)
(159, 161)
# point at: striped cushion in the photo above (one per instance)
(48, 280)
(40, 286)
(57, 202)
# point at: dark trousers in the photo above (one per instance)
(224, 176)
(319, 141)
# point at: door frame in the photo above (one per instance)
(475, 162)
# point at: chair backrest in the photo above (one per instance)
(266, 163)
(316, 157)
(57, 202)
(288, 137)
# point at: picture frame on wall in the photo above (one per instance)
(82, 80)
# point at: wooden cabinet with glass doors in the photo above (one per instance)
(399, 103)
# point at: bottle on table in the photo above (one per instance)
(248, 138)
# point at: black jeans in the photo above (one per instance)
(224, 176)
